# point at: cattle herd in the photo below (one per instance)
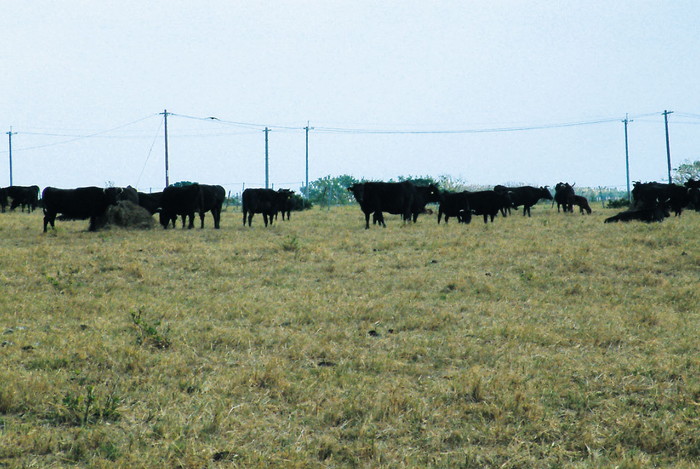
(652, 201)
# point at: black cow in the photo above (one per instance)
(180, 200)
(670, 196)
(582, 204)
(212, 200)
(77, 204)
(455, 204)
(564, 196)
(24, 196)
(265, 201)
(130, 194)
(424, 195)
(527, 196)
(286, 203)
(398, 198)
(487, 203)
(693, 193)
(150, 201)
(3, 198)
(649, 214)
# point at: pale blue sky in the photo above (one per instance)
(76, 68)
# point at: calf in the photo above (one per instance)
(582, 204)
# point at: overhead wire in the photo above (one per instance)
(80, 137)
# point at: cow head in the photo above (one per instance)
(112, 195)
(434, 194)
(545, 194)
(358, 191)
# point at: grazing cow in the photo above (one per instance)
(77, 204)
(180, 200)
(670, 196)
(3, 198)
(527, 196)
(130, 194)
(150, 201)
(212, 200)
(265, 201)
(564, 196)
(455, 204)
(649, 214)
(487, 203)
(24, 196)
(582, 203)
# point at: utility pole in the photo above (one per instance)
(10, 134)
(668, 148)
(627, 159)
(307, 128)
(165, 122)
(267, 167)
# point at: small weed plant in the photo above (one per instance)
(150, 333)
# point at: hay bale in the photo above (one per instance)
(126, 214)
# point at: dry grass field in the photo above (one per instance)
(551, 341)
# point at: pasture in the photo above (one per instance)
(550, 341)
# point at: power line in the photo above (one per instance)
(80, 137)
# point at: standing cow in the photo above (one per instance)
(527, 196)
(487, 203)
(24, 196)
(150, 201)
(398, 198)
(564, 196)
(180, 200)
(78, 204)
(3, 198)
(286, 202)
(669, 196)
(265, 201)
(212, 201)
(455, 204)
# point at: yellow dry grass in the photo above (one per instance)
(551, 341)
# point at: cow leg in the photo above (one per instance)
(201, 219)
(265, 218)
(217, 218)
(191, 223)
(49, 219)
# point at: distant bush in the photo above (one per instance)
(617, 203)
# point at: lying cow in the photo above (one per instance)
(650, 214)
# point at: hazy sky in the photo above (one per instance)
(83, 84)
